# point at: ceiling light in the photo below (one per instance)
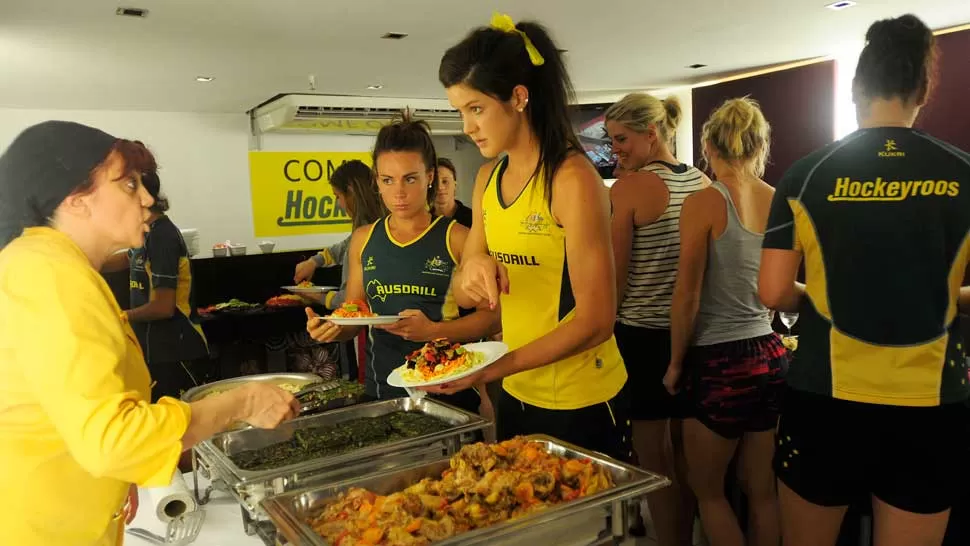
(695, 66)
(204, 79)
(131, 12)
(375, 87)
(836, 6)
(394, 36)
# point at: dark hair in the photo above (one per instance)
(154, 186)
(356, 179)
(494, 62)
(446, 163)
(408, 135)
(899, 60)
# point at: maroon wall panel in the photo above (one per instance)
(799, 103)
(946, 114)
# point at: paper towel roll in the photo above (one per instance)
(173, 500)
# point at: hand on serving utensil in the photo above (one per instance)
(266, 406)
(304, 271)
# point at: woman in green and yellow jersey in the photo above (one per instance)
(403, 263)
(539, 246)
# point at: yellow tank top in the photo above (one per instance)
(525, 238)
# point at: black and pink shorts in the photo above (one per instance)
(737, 386)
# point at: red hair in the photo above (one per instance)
(135, 157)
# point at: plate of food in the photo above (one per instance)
(441, 361)
(286, 300)
(357, 313)
(307, 287)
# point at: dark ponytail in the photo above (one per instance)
(494, 62)
(410, 135)
(898, 61)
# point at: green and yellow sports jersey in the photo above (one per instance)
(882, 218)
(400, 276)
(525, 238)
(164, 263)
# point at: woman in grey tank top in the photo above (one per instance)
(722, 344)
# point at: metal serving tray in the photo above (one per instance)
(583, 521)
(252, 486)
(198, 393)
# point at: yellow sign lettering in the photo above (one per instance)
(291, 193)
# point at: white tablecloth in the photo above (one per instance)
(222, 527)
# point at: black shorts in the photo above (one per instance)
(737, 386)
(646, 354)
(604, 427)
(833, 452)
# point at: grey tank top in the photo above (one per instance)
(730, 308)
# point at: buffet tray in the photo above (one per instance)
(250, 487)
(584, 519)
(198, 393)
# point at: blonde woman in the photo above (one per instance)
(646, 211)
(722, 343)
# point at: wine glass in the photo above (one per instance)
(788, 319)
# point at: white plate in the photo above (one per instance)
(309, 289)
(363, 321)
(493, 350)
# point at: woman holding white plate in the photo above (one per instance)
(402, 265)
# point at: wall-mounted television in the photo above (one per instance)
(590, 125)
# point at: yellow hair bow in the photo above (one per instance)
(501, 21)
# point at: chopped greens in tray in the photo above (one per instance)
(325, 441)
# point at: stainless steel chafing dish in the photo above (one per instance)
(582, 521)
(297, 380)
(251, 487)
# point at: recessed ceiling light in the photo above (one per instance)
(204, 79)
(375, 87)
(836, 6)
(394, 36)
(132, 12)
(695, 66)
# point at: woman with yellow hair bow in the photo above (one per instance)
(535, 210)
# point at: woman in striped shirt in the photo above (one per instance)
(646, 243)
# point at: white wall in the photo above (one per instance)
(204, 164)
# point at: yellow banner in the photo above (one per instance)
(291, 192)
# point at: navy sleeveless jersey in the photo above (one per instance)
(400, 276)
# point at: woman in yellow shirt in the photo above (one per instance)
(541, 237)
(76, 427)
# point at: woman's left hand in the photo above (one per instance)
(672, 379)
(131, 507)
(415, 326)
(457, 385)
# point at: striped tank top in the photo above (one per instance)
(656, 249)
(524, 236)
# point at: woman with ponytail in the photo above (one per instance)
(722, 344)
(877, 405)
(539, 247)
(646, 211)
(396, 251)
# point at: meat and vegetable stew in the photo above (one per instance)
(486, 484)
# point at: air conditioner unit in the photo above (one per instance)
(305, 113)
